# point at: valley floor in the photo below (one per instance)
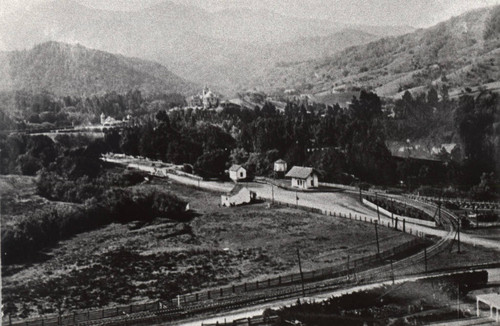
(123, 264)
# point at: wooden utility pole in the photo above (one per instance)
(458, 233)
(360, 195)
(348, 273)
(376, 204)
(392, 273)
(301, 274)
(425, 258)
(376, 235)
(296, 199)
(439, 212)
(272, 193)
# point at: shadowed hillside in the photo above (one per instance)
(75, 70)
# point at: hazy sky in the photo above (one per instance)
(417, 13)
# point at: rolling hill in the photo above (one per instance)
(225, 48)
(462, 52)
(65, 69)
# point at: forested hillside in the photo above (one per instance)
(463, 51)
(65, 69)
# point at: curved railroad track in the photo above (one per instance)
(376, 274)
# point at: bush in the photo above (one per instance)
(47, 227)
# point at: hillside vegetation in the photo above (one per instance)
(463, 51)
(220, 48)
(65, 69)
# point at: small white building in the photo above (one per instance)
(237, 196)
(280, 166)
(237, 172)
(303, 177)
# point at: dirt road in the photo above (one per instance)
(335, 202)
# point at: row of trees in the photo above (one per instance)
(335, 141)
(338, 142)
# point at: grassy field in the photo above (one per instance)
(131, 263)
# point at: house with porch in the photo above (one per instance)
(303, 177)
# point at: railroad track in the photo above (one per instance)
(378, 274)
(357, 277)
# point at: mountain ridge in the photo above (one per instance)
(213, 48)
(66, 69)
(390, 65)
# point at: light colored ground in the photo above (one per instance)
(337, 202)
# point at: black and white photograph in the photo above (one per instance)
(250, 162)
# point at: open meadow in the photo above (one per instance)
(144, 261)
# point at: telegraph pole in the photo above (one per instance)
(458, 233)
(376, 204)
(348, 273)
(439, 212)
(425, 258)
(392, 273)
(360, 195)
(272, 193)
(376, 235)
(301, 275)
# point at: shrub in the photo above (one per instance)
(47, 227)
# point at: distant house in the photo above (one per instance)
(237, 196)
(237, 172)
(110, 121)
(280, 168)
(303, 177)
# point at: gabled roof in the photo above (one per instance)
(237, 188)
(280, 161)
(235, 167)
(300, 172)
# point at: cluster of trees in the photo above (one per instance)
(44, 110)
(477, 121)
(337, 142)
(70, 171)
(46, 227)
(343, 144)
(421, 116)
(470, 121)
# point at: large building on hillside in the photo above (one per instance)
(206, 100)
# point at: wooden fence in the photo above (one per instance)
(348, 268)
(87, 315)
(401, 218)
(253, 321)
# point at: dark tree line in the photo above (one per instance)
(337, 142)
